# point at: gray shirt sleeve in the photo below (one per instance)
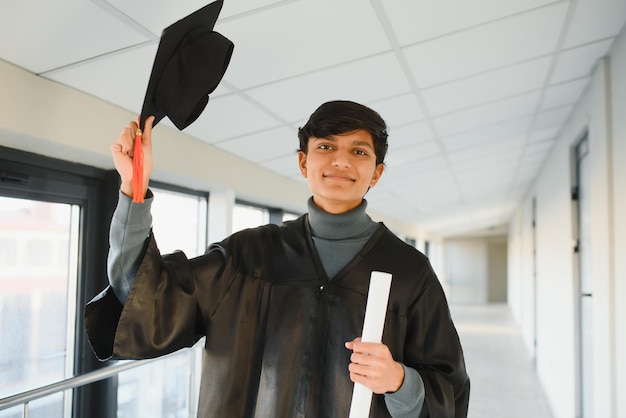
(407, 401)
(130, 228)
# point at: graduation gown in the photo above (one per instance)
(275, 325)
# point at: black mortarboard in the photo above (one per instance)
(190, 62)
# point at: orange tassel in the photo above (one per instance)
(138, 169)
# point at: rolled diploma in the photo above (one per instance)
(375, 310)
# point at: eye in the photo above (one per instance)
(324, 146)
(360, 152)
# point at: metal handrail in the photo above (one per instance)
(84, 379)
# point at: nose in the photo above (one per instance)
(341, 158)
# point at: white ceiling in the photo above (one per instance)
(474, 92)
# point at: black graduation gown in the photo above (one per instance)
(275, 326)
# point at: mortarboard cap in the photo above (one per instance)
(190, 62)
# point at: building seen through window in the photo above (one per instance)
(38, 274)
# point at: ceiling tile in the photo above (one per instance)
(487, 172)
(154, 15)
(419, 20)
(492, 151)
(543, 134)
(427, 185)
(594, 20)
(448, 220)
(411, 154)
(477, 192)
(118, 82)
(487, 87)
(552, 117)
(47, 39)
(234, 8)
(527, 170)
(432, 170)
(472, 51)
(296, 97)
(537, 149)
(399, 110)
(261, 39)
(500, 131)
(485, 115)
(264, 145)
(407, 135)
(564, 94)
(578, 62)
(286, 165)
(222, 118)
(485, 168)
(380, 199)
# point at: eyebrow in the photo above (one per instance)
(356, 142)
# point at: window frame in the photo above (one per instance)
(32, 176)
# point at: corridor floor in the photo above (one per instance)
(503, 379)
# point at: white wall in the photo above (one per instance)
(496, 271)
(466, 271)
(602, 111)
(618, 230)
(522, 283)
(475, 270)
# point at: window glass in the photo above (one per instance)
(179, 222)
(38, 273)
(288, 216)
(169, 386)
(159, 389)
(246, 216)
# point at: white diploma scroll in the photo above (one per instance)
(375, 310)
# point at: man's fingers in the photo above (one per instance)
(127, 139)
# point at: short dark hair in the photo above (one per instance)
(342, 116)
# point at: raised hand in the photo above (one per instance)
(123, 153)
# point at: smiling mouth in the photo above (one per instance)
(340, 177)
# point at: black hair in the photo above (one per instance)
(342, 116)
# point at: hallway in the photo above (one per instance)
(504, 383)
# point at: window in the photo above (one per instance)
(248, 216)
(38, 276)
(51, 263)
(288, 216)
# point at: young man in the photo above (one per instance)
(282, 307)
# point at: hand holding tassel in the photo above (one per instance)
(132, 155)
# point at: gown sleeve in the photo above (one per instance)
(433, 348)
(162, 313)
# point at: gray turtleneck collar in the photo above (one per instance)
(342, 226)
(339, 238)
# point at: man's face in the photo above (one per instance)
(340, 169)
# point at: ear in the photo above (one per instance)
(378, 172)
(302, 163)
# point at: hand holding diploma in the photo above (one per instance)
(373, 366)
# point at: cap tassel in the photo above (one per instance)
(137, 184)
